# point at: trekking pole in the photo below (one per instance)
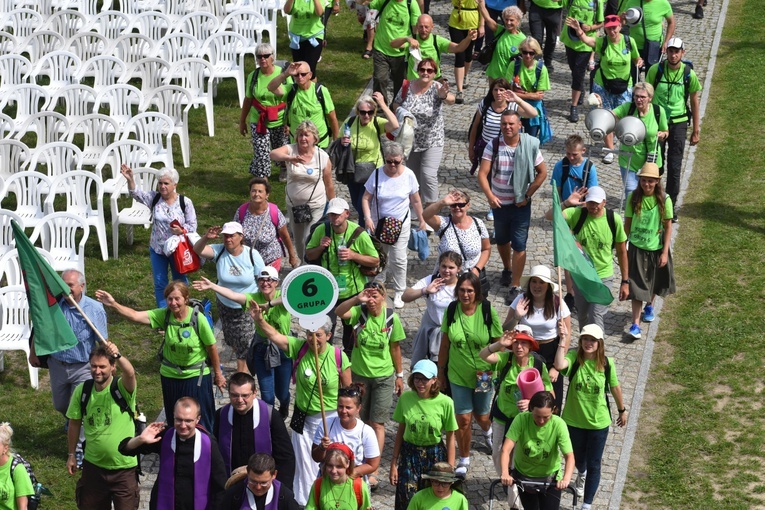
(624, 181)
(318, 381)
(72, 302)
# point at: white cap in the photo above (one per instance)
(337, 206)
(232, 227)
(675, 42)
(595, 194)
(269, 272)
(592, 330)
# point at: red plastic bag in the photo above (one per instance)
(184, 258)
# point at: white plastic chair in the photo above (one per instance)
(99, 131)
(67, 22)
(40, 43)
(137, 213)
(130, 48)
(29, 99)
(194, 74)
(199, 24)
(29, 189)
(251, 26)
(14, 325)
(58, 158)
(7, 126)
(87, 45)
(14, 157)
(84, 193)
(78, 100)
(58, 234)
(155, 130)
(133, 153)
(119, 100)
(152, 24)
(11, 270)
(151, 72)
(105, 71)
(24, 22)
(176, 46)
(8, 42)
(110, 24)
(215, 7)
(7, 241)
(225, 52)
(61, 67)
(135, 7)
(177, 9)
(47, 127)
(175, 102)
(91, 8)
(14, 70)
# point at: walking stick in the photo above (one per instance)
(318, 382)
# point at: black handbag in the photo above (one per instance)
(487, 52)
(297, 423)
(651, 49)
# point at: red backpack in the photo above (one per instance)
(356, 489)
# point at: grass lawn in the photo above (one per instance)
(217, 184)
(702, 427)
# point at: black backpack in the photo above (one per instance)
(319, 95)
(686, 84)
(198, 306)
(566, 164)
(451, 310)
(155, 201)
(609, 218)
(33, 501)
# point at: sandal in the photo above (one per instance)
(367, 54)
(373, 482)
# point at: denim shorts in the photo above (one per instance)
(467, 400)
(511, 225)
(611, 101)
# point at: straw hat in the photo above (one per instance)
(650, 170)
(541, 272)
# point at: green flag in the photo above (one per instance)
(570, 256)
(44, 288)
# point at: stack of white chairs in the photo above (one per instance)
(224, 50)
(14, 324)
(47, 127)
(88, 44)
(78, 100)
(29, 99)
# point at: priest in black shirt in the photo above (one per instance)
(259, 490)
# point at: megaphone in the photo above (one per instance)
(599, 122)
(630, 131)
(633, 16)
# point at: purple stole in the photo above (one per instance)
(261, 432)
(272, 497)
(166, 477)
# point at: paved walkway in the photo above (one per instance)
(453, 173)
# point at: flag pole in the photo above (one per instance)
(560, 293)
(74, 303)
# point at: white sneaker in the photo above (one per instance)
(579, 486)
(608, 158)
(461, 470)
(397, 301)
(487, 439)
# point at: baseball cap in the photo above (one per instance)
(337, 206)
(232, 227)
(269, 272)
(612, 20)
(595, 194)
(675, 42)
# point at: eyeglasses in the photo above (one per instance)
(267, 279)
(348, 392)
(394, 162)
(366, 112)
(440, 483)
(428, 70)
(243, 396)
(460, 205)
(374, 285)
(642, 98)
(420, 379)
(254, 483)
(264, 55)
(528, 52)
(303, 75)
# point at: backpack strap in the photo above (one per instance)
(155, 201)
(317, 485)
(242, 211)
(114, 391)
(486, 310)
(254, 83)
(87, 388)
(566, 168)
(606, 386)
(586, 171)
(495, 154)
(611, 225)
(580, 221)
(538, 73)
(450, 311)
(404, 89)
(302, 352)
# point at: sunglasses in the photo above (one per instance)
(348, 392)
(460, 205)
(394, 162)
(303, 75)
(428, 70)
(264, 55)
(374, 285)
(366, 112)
(528, 52)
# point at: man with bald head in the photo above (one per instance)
(306, 100)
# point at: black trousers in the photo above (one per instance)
(545, 24)
(672, 157)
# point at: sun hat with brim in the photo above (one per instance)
(541, 272)
(441, 472)
(527, 338)
(592, 330)
(232, 227)
(612, 20)
(426, 368)
(650, 170)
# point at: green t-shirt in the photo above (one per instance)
(588, 12)
(640, 150)
(528, 77)
(182, 345)
(670, 90)
(595, 238)
(467, 336)
(105, 426)
(616, 60)
(536, 448)
(371, 353)
(464, 16)
(366, 142)
(264, 96)
(304, 21)
(654, 13)
(306, 106)
(427, 500)
(647, 229)
(277, 316)
(396, 20)
(425, 418)
(340, 496)
(548, 4)
(586, 406)
(350, 281)
(10, 490)
(509, 394)
(427, 49)
(508, 47)
(306, 392)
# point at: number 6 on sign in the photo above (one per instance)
(309, 293)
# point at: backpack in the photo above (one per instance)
(203, 307)
(607, 368)
(363, 322)
(656, 115)
(539, 364)
(537, 71)
(567, 171)
(686, 84)
(33, 501)
(451, 310)
(385, 4)
(485, 105)
(365, 270)
(302, 352)
(155, 201)
(273, 210)
(319, 95)
(220, 254)
(609, 218)
(356, 489)
(606, 42)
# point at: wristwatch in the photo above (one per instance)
(400, 375)
(625, 281)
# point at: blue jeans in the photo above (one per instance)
(275, 382)
(630, 180)
(356, 191)
(159, 267)
(588, 452)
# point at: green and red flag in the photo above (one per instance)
(44, 289)
(568, 255)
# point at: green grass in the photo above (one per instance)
(217, 184)
(702, 431)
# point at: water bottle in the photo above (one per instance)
(346, 132)
(341, 246)
(140, 423)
